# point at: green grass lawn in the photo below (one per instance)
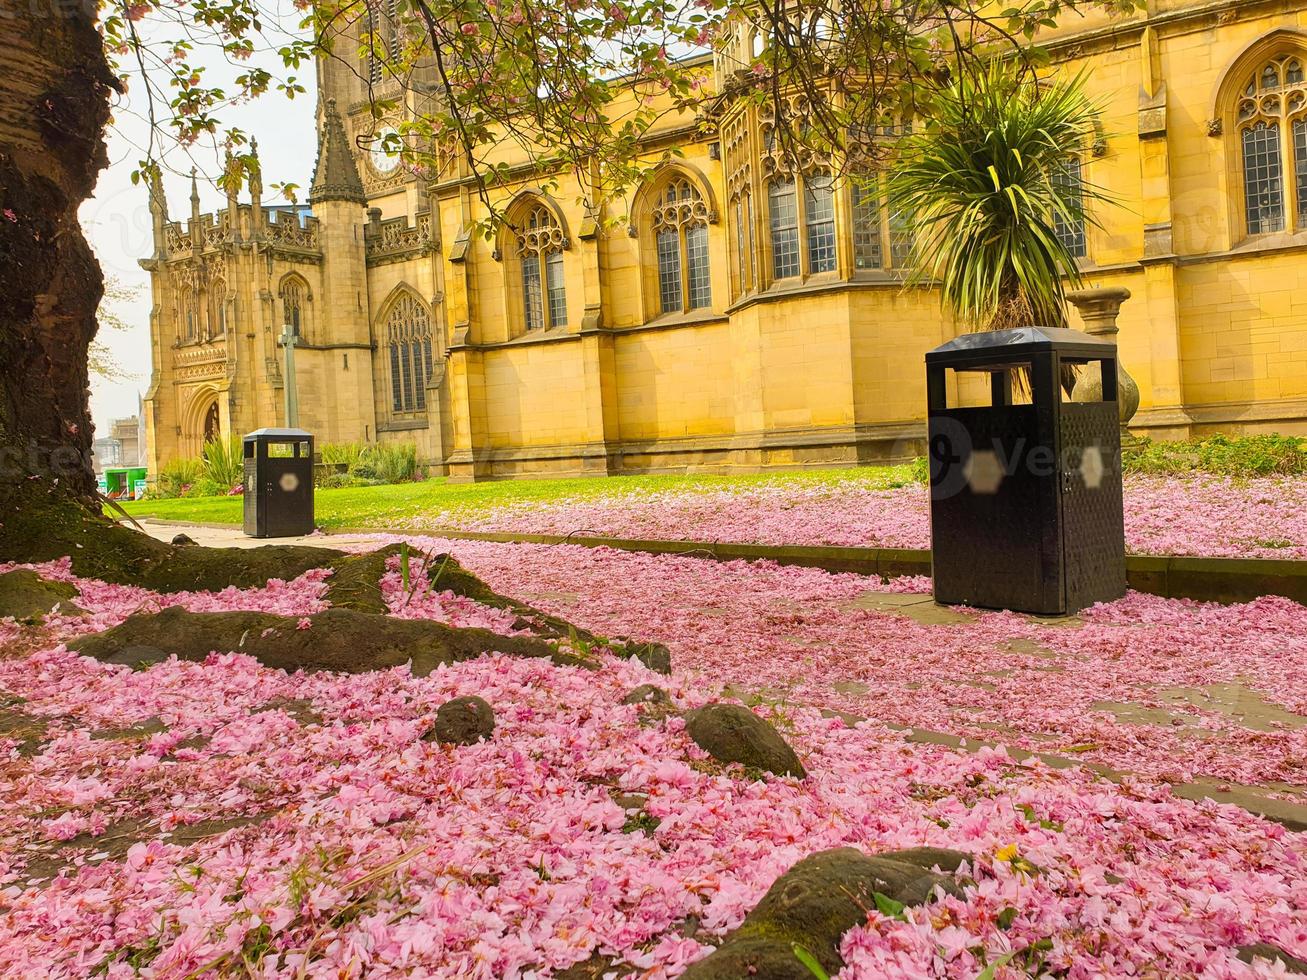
(405, 504)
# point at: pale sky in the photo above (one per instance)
(117, 218)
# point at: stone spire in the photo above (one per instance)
(158, 201)
(196, 235)
(256, 175)
(195, 200)
(158, 213)
(335, 176)
(230, 178)
(256, 191)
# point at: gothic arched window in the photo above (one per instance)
(188, 313)
(217, 308)
(680, 228)
(294, 294)
(408, 340)
(540, 245)
(1272, 134)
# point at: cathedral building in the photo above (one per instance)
(733, 312)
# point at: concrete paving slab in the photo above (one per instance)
(1243, 704)
(919, 608)
(1138, 714)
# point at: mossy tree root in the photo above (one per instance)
(337, 640)
(40, 523)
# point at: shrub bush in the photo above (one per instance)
(179, 475)
(206, 486)
(339, 481)
(387, 463)
(921, 470)
(348, 453)
(1240, 456)
(224, 465)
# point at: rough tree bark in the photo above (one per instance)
(55, 88)
(54, 105)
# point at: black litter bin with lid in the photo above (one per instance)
(278, 483)
(1025, 493)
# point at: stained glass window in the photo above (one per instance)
(669, 270)
(532, 293)
(696, 258)
(819, 206)
(557, 296)
(1300, 167)
(900, 239)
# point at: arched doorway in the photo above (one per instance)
(211, 424)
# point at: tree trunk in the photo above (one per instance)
(54, 105)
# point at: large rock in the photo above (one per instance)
(655, 656)
(647, 694)
(24, 595)
(814, 903)
(731, 733)
(462, 721)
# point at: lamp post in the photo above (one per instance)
(292, 397)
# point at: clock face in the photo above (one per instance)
(384, 159)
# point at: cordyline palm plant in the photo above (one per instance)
(984, 187)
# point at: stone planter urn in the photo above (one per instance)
(1099, 309)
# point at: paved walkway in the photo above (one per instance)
(212, 536)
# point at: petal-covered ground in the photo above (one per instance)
(1200, 515)
(226, 819)
(1168, 689)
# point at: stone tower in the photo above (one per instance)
(342, 344)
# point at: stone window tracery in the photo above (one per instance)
(680, 228)
(737, 157)
(294, 293)
(187, 285)
(800, 202)
(383, 38)
(408, 341)
(218, 308)
(540, 245)
(1272, 136)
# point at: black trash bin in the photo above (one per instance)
(1025, 493)
(278, 483)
